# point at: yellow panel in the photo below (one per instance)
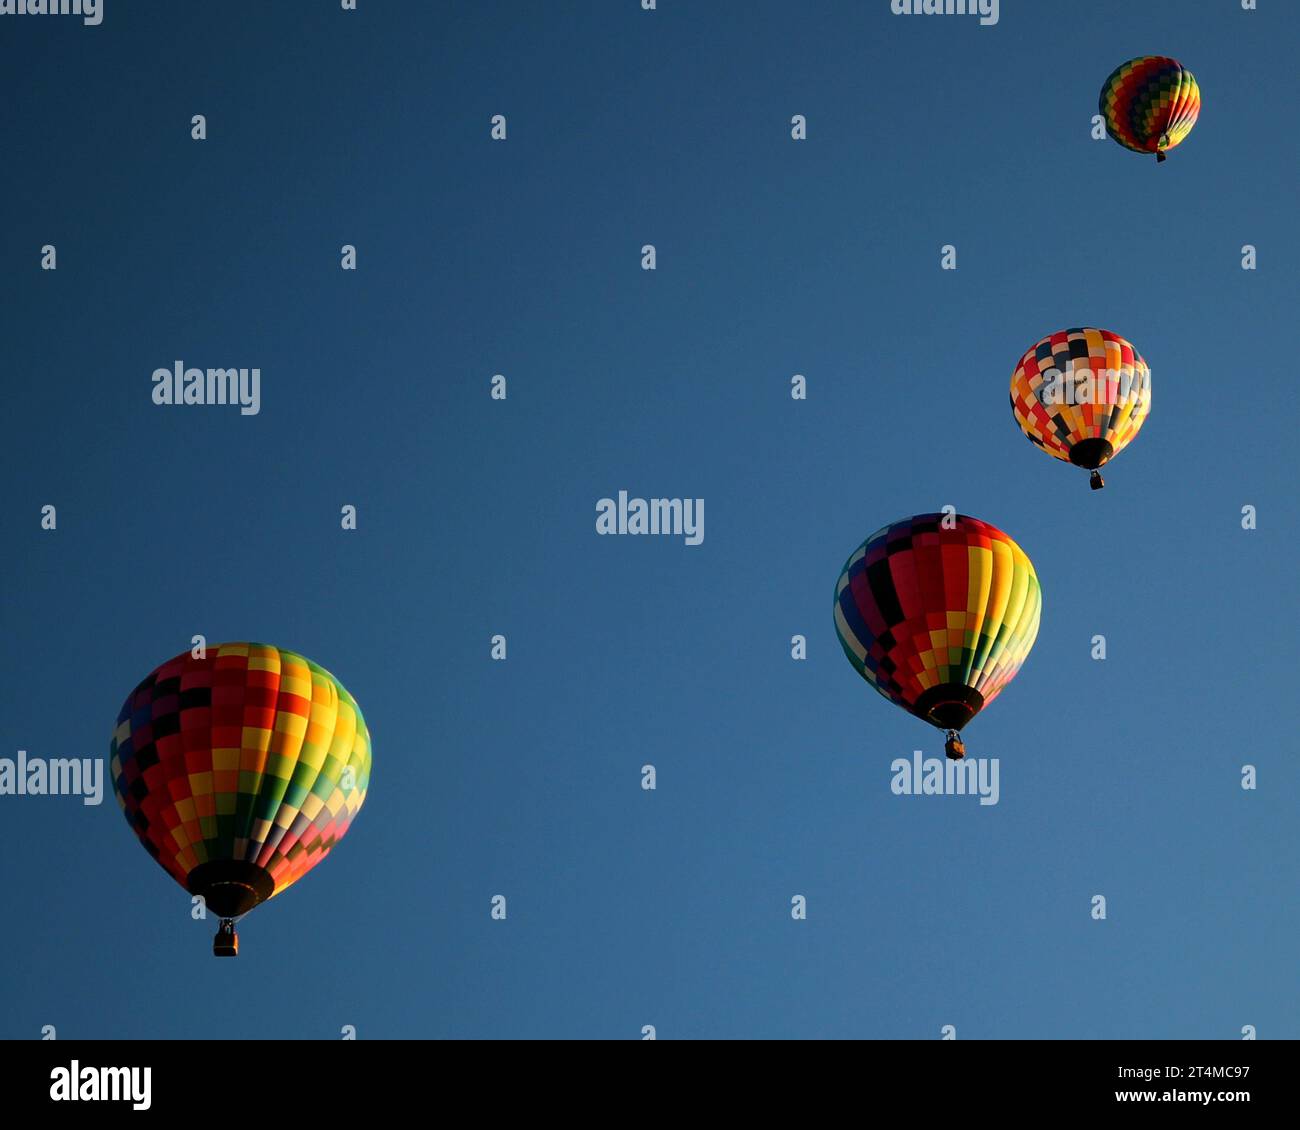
(225, 759)
(294, 724)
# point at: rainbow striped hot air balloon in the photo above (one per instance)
(1081, 395)
(239, 772)
(937, 613)
(1150, 104)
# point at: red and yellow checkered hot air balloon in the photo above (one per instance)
(1081, 395)
(938, 612)
(1150, 104)
(239, 772)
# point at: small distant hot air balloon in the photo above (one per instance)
(1150, 104)
(937, 613)
(1081, 395)
(239, 772)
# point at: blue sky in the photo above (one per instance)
(521, 778)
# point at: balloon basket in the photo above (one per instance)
(226, 941)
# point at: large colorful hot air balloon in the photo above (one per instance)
(938, 612)
(1150, 104)
(1082, 396)
(239, 772)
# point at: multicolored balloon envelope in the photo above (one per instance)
(1150, 104)
(937, 613)
(1081, 395)
(239, 772)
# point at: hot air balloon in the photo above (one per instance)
(1150, 104)
(1082, 396)
(239, 772)
(937, 613)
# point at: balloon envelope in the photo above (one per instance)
(240, 771)
(938, 620)
(1150, 104)
(1082, 395)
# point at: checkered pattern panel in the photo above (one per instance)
(251, 753)
(1081, 384)
(1150, 104)
(918, 605)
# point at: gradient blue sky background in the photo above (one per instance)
(522, 778)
